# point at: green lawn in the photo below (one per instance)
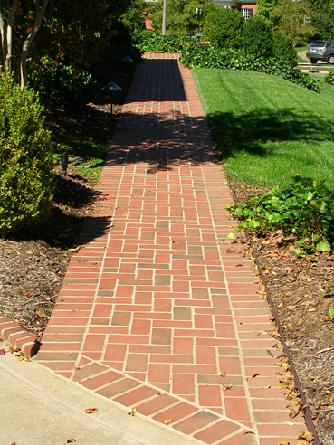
(268, 129)
(86, 156)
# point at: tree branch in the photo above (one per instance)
(40, 11)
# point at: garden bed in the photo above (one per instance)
(298, 288)
(33, 265)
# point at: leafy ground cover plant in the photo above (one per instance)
(304, 210)
(330, 78)
(208, 56)
(58, 83)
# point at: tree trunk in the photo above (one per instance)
(6, 29)
(9, 43)
(3, 31)
(40, 10)
(164, 18)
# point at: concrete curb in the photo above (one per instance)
(40, 408)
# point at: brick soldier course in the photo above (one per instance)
(158, 310)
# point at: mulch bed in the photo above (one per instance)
(33, 265)
(32, 268)
(301, 292)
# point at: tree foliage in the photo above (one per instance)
(78, 33)
(264, 7)
(295, 19)
(183, 17)
(324, 18)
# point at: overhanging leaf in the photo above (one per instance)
(323, 246)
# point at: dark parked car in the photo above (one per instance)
(321, 50)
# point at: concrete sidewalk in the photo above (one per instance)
(40, 408)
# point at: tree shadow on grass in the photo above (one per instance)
(172, 139)
(250, 131)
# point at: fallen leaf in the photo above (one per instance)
(90, 410)
(283, 442)
(168, 421)
(71, 440)
(223, 374)
(294, 411)
(2, 352)
(227, 387)
(132, 412)
(306, 435)
(40, 313)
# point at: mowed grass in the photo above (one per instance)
(269, 130)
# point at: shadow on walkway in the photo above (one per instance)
(145, 87)
(171, 138)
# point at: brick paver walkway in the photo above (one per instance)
(158, 311)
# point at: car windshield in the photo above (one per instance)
(318, 44)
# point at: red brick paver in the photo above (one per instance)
(17, 336)
(158, 310)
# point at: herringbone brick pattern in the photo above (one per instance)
(159, 311)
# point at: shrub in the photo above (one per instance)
(283, 49)
(223, 28)
(257, 37)
(212, 57)
(304, 210)
(154, 42)
(59, 83)
(330, 78)
(25, 159)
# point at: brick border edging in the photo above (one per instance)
(157, 404)
(18, 337)
(306, 411)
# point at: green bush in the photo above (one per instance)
(257, 37)
(211, 57)
(283, 49)
(59, 83)
(304, 210)
(153, 42)
(223, 28)
(330, 78)
(25, 159)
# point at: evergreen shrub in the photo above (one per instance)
(223, 28)
(283, 49)
(257, 37)
(25, 159)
